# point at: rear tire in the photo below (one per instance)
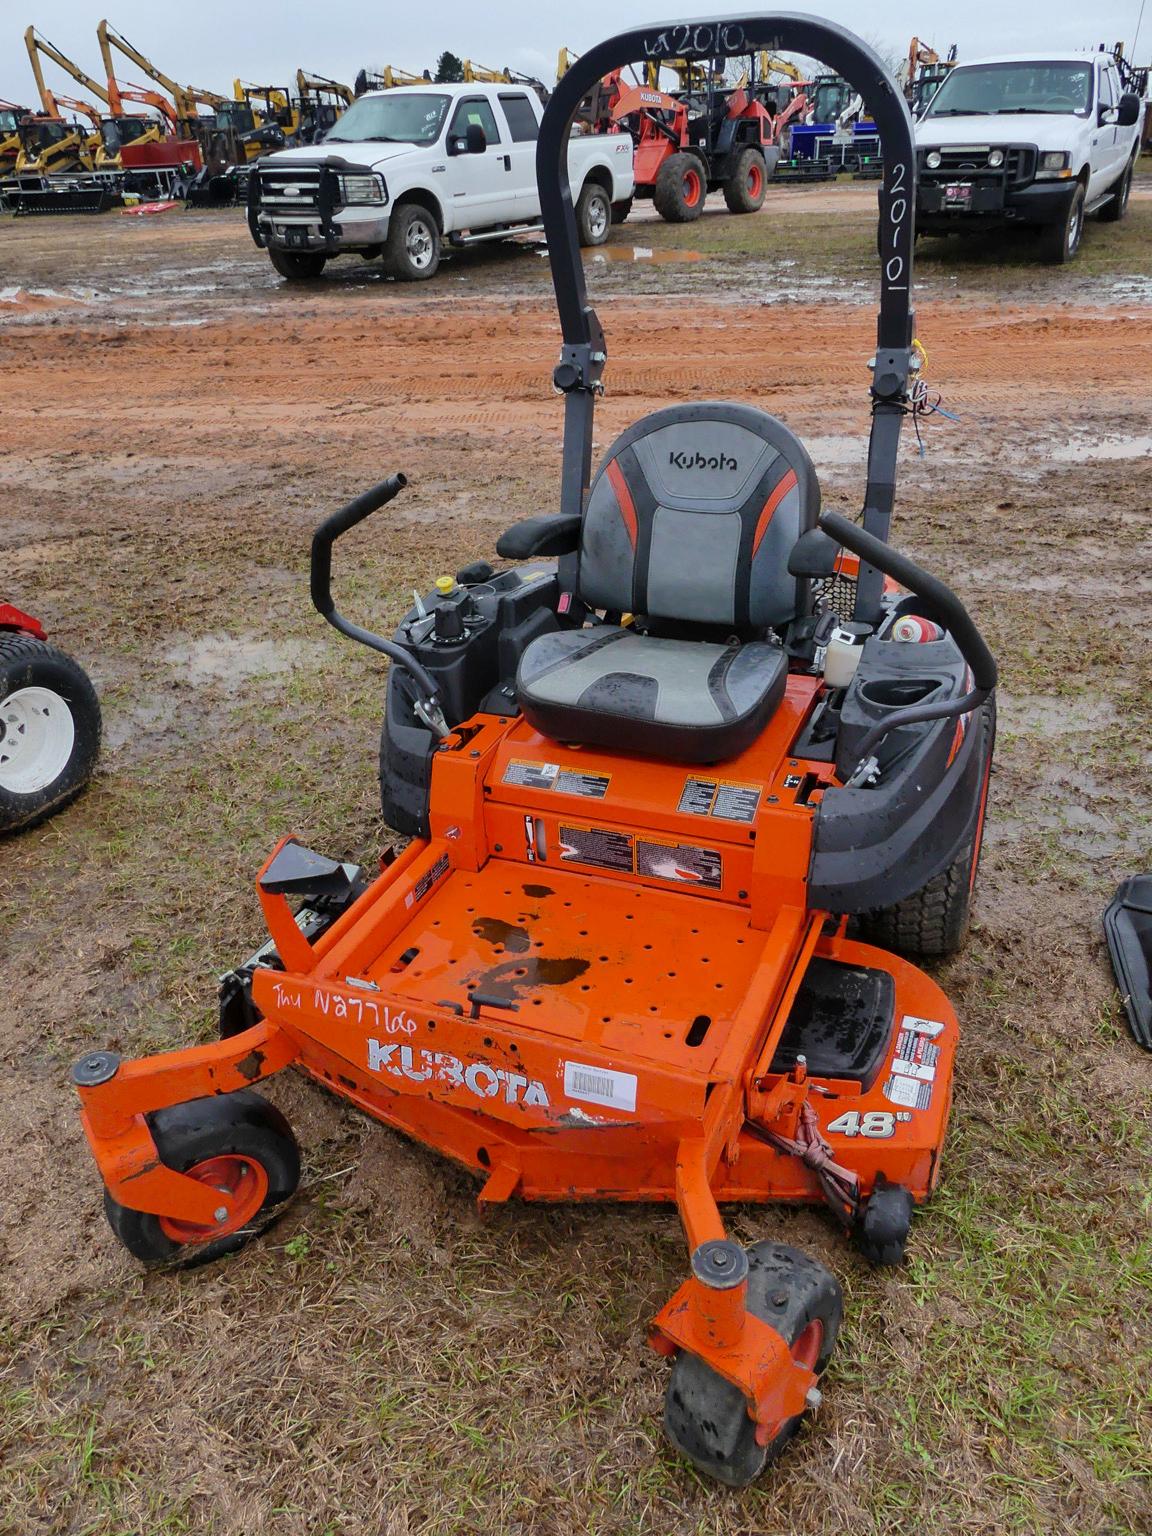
(241, 1131)
(412, 250)
(1060, 242)
(593, 214)
(680, 189)
(49, 730)
(1117, 209)
(621, 210)
(705, 1417)
(297, 266)
(746, 188)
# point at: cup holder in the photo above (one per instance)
(898, 692)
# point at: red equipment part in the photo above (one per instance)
(13, 618)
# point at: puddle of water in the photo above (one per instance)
(228, 660)
(1110, 448)
(644, 253)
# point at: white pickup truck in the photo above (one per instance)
(1041, 139)
(407, 169)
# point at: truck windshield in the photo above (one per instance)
(392, 118)
(986, 90)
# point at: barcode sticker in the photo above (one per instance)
(600, 1085)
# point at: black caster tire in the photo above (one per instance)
(881, 1232)
(237, 1141)
(49, 731)
(705, 1417)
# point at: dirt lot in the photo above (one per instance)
(175, 422)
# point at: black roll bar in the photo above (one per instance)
(583, 354)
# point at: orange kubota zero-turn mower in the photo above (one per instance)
(628, 952)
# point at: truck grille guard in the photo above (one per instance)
(327, 171)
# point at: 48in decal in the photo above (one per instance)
(875, 1123)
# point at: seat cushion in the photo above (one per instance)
(686, 700)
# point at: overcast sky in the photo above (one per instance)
(209, 42)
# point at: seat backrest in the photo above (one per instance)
(692, 516)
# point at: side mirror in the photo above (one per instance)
(1130, 109)
(475, 139)
(1106, 116)
(813, 554)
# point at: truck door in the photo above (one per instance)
(1103, 135)
(523, 129)
(481, 188)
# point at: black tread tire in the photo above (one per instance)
(297, 266)
(668, 191)
(397, 258)
(242, 1122)
(737, 196)
(1117, 209)
(934, 920)
(1059, 243)
(881, 1233)
(621, 210)
(593, 196)
(706, 1417)
(26, 662)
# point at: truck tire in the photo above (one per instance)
(49, 730)
(297, 266)
(680, 189)
(621, 210)
(745, 189)
(593, 214)
(1060, 242)
(412, 250)
(1113, 211)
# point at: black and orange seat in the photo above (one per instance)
(688, 526)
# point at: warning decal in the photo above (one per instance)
(426, 882)
(682, 862)
(565, 781)
(909, 1092)
(597, 845)
(721, 798)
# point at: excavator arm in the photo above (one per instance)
(37, 45)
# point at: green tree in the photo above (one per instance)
(449, 69)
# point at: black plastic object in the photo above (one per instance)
(1128, 929)
(813, 554)
(300, 871)
(555, 533)
(841, 1023)
(705, 1417)
(939, 602)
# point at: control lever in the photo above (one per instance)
(940, 603)
(427, 706)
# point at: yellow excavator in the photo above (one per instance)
(276, 115)
(320, 102)
(11, 116)
(481, 75)
(387, 78)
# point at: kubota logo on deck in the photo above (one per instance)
(698, 460)
(423, 1066)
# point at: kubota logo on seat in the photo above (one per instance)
(698, 460)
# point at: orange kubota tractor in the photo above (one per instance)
(678, 778)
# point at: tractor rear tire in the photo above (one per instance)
(49, 730)
(238, 1138)
(680, 189)
(706, 1417)
(593, 214)
(297, 266)
(934, 920)
(746, 188)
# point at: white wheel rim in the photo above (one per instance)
(1074, 232)
(37, 734)
(597, 217)
(418, 242)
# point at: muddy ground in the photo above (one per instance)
(175, 422)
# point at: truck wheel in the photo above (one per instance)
(412, 250)
(1113, 211)
(1060, 242)
(236, 1142)
(49, 730)
(297, 266)
(621, 210)
(745, 189)
(593, 214)
(680, 189)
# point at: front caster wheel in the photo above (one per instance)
(237, 1143)
(705, 1417)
